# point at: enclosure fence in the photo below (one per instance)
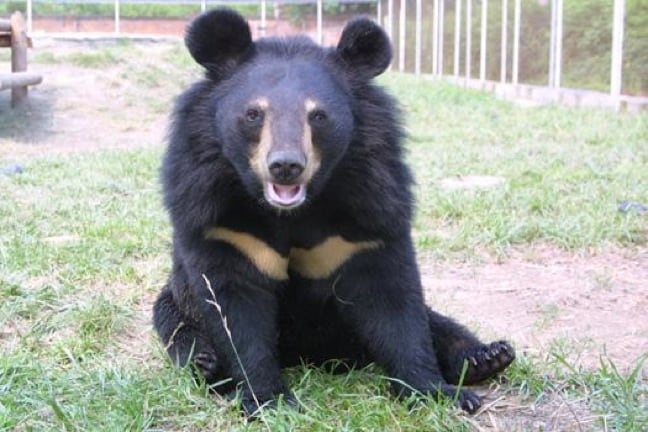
(203, 5)
(481, 43)
(494, 44)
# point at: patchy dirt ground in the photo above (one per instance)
(594, 305)
(88, 99)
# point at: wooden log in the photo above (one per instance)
(5, 33)
(5, 40)
(19, 45)
(19, 79)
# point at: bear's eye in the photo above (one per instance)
(253, 115)
(317, 116)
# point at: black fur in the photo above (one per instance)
(371, 308)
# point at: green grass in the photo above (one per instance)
(620, 400)
(565, 172)
(84, 247)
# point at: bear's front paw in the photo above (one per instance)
(467, 400)
(488, 360)
(252, 407)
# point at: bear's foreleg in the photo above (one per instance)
(223, 312)
(380, 297)
(244, 331)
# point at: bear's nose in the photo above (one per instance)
(286, 165)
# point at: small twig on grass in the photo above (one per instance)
(493, 421)
(223, 319)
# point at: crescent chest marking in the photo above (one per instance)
(318, 262)
(267, 260)
(324, 259)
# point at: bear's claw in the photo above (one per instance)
(470, 403)
(207, 363)
(488, 360)
(466, 399)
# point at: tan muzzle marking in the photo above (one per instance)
(313, 156)
(259, 153)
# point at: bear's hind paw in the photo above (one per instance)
(207, 364)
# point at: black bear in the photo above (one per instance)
(291, 209)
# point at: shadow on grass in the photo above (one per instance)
(29, 123)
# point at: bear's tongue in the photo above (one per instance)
(286, 192)
(286, 195)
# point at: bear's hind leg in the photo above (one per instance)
(182, 340)
(455, 345)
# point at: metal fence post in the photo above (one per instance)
(441, 34)
(264, 18)
(482, 46)
(457, 38)
(435, 38)
(417, 56)
(116, 16)
(401, 36)
(320, 33)
(468, 38)
(516, 42)
(390, 22)
(558, 50)
(504, 41)
(29, 16)
(555, 44)
(552, 45)
(616, 71)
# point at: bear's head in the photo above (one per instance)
(282, 109)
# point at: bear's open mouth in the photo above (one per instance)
(285, 196)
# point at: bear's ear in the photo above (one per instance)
(218, 39)
(365, 48)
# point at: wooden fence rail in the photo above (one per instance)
(13, 35)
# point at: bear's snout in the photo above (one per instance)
(286, 166)
(286, 187)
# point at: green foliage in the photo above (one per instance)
(587, 41)
(126, 10)
(635, 65)
(298, 13)
(622, 398)
(12, 6)
(618, 398)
